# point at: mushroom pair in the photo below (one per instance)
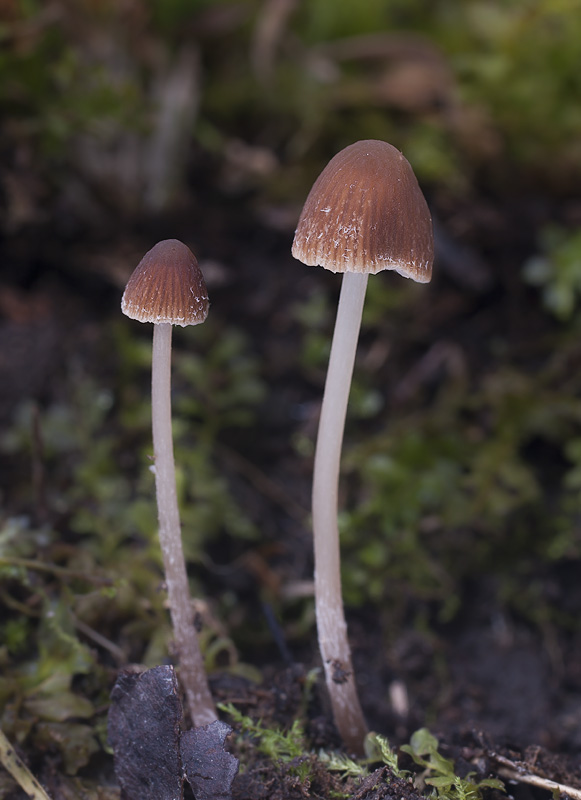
(365, 213)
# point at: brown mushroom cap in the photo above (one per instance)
(366, 213)
(167, 286)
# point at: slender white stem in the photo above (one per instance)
(331, 625)
(192, 672)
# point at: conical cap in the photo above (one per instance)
(167, 286)
(366, 213)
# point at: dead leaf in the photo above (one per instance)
(144, 731)
(209, 767)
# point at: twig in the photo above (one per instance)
(14, 605)
(176, 93)
(118, 654)
(38, 472)
(265, 485)
(62, 572)
(517, 772)
(381, 46)
(19, 771)
(271, 25)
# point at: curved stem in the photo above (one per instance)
(331, 625)
(192, 672)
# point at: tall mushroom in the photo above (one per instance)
(167, 288)
(365, 213)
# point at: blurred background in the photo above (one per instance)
(126, 122)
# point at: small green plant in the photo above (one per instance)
(77, 95)
(272, 742)
(378, 748)
(557, 272)
(438, 771)
(345, 766)
(289, 747)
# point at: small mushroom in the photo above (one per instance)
(365, 213)
(167, 288)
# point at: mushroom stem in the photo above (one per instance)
(192, 673)
(332, 628)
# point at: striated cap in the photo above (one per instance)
(365, 213)
(167, 286)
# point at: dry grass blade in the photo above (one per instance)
(517, 772)
(19, 771)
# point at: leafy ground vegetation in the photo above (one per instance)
(126, 123)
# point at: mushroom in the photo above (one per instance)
(365, 213)
(167, 288)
